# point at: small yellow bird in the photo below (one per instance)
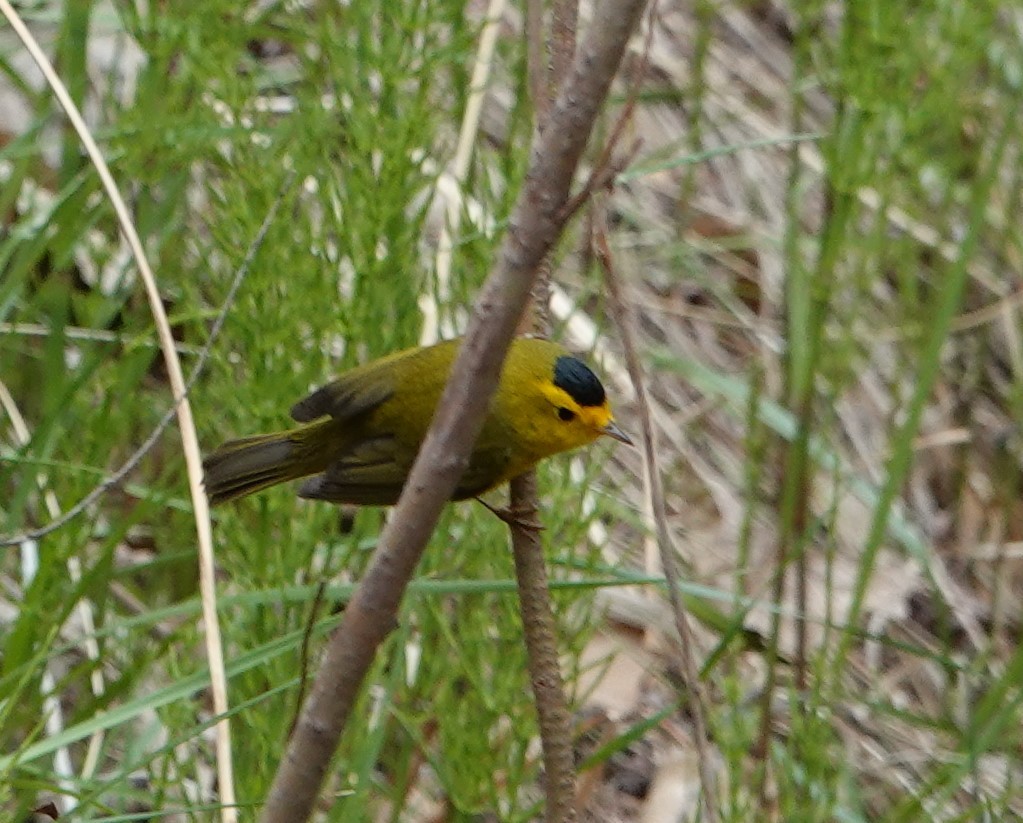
(360, 434)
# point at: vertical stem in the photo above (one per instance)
(540, 635)
(538, 626)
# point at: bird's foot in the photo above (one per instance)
(514, 517)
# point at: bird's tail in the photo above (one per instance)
(241, 467)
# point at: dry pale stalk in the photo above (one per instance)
(666, 546)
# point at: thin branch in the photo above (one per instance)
(540, 634)
(92, 335)
(533, 229)
(606, 169)
(538, 621)
(666, 545)
(603, 176)
(539, 628)
(303, 655)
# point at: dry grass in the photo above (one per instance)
(709, 249)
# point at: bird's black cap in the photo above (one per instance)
(575, 377)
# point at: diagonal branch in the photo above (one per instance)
(533, 229)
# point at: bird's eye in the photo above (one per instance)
(566, 414)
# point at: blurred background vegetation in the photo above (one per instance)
(817, 239)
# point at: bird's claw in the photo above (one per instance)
(515, 517)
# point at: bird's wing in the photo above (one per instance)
(370, 473)
(345, 398)
(487, 468)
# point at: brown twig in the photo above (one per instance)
(303, 656)
(603, 176)
(665, 543)
(605, 170)
(540, 634)
(539, 628)
(532, 230)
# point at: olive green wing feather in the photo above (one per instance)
(486, 469)
(347, 397)
(370, 473)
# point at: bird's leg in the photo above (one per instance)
(513, 517)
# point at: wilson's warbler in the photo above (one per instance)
(360, 434)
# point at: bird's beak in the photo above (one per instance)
(612, 430)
